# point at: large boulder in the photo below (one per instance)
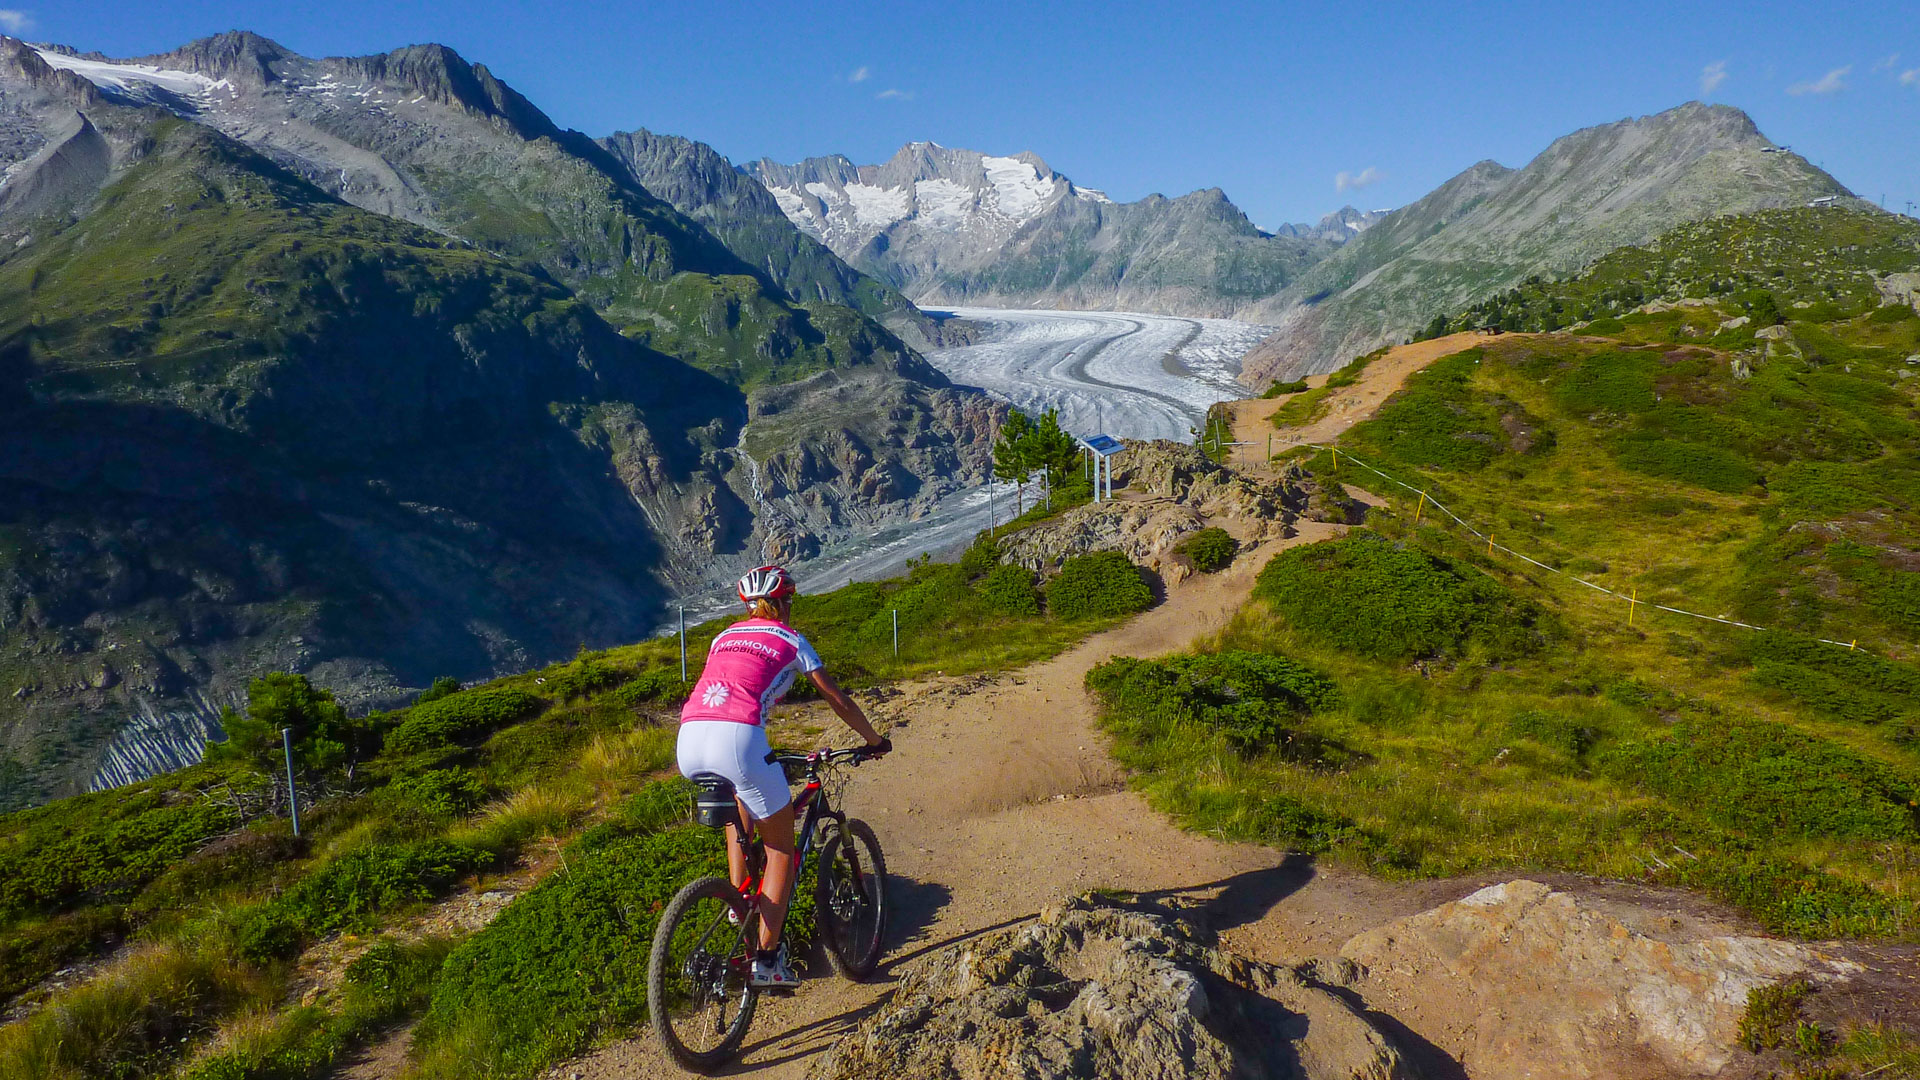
(1143, 531)
(1518, 980)
(1096, 989)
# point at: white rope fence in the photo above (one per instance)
(1633, 601)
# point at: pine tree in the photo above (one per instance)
(1010, 454)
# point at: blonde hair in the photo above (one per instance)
(764, 608)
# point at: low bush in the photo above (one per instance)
(1096, 585)
(1278, 388)
(102, 847)
(1209, 550)
(450, 792)
(1769, 780)
(1708, 467)
(1254, 700)
(352, 890)
(565, 962)
(653, 684)
(589, 673)
(461, 716)
(980, 557)
(1838, 683)
(1367, 595)
(1009, 589)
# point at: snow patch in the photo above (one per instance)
(792, 205)
(876, 206)
(1018, 188)
(944, 204)
(1093, 194)
(135, 80)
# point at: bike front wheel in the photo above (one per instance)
(850, 900)
(699, 992)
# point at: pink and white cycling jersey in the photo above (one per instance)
(751, 665)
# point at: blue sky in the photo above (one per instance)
(1272, 102)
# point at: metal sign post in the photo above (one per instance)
(293, 794)
(896, 633)
(683, 643)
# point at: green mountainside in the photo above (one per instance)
(281, 432)
(362, 368)
(1434, 704)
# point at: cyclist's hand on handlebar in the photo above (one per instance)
(879, 749)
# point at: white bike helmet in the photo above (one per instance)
(766, 583)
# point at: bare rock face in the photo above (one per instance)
(1144, 532)
(1543, 983)
(1095, 989)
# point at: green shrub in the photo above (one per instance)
(1209, 550)
(588, 674)
(1837, 683)
(1556, 731)
(1009, 589)
(461, 716)
(245, 858)
(450, 792)
(102, 847)
(653, 684)
(352, 890)
(444, 686)
(1096, 585)
(1439, 419)
(1278, 388)
(1892, 313)
(1709, 467)
(980, 557)
(1772, 1012)
(1369, 596)
(323, 736)
(567, 960)
(1252, 699)
(1769, 780)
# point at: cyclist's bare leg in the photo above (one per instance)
(776, 887)
(736, 852)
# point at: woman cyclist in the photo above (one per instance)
(751, 665)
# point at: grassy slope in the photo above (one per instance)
(218, 924)
(1781, 490)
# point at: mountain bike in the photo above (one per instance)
(699, 993)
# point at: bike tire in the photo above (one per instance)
(683, 923)
(850, 900)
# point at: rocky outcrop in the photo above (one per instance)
(1168, 490)
(1525, 981)
(1094, 989)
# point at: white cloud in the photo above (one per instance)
(891, 94)
(1712, 76)
(859, 74)
(1886, 62)
(1825, 84)
(1910, 78)
(15, 22)
(1344, 181)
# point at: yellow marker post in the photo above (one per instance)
(1489, 545)
(1633, 602)
(1417, 509)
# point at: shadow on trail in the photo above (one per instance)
(1242, 899)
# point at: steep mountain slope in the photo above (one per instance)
(949, 226)
(744, 215)
(250, 427)
(1490, 228)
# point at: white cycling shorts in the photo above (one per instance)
(739, 753)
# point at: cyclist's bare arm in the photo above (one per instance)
(845, 707)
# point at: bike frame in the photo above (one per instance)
(810, 805)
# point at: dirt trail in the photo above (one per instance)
(1253, 418)
(1000, 797)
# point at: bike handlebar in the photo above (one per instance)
(856, 755)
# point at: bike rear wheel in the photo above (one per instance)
(850, 900)
(698, 991)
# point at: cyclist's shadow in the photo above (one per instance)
(913, 906)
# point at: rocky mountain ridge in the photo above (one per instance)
(1490, 228)
(953, 226)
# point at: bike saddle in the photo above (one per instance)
(713, 803)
